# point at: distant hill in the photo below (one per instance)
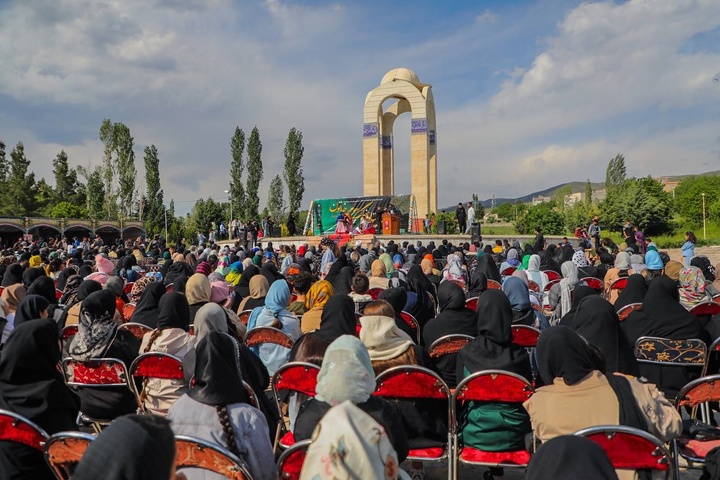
(575, 187)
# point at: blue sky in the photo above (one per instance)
(529, 94)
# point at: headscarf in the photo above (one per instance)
(478, 283)
(275, 309)
(568, 282)
(31, 274)
(653, 260)
(62, 278)
(579, 293)
(493, 348)
(235, 273)
(623, 261)
(692, 287)
(417, 282)
(133, 447)
(203, 268)
(174, 311)
(210, 317)
(147, 308)
(270, 271)
(382, 337)
(319, 294)
(337, 318)
(378, 269)
(512, 258)
(596, 321)
(566, 253)
(569, 457)
(387, 261)
(198, 289)
(96, 327)
(29, 309)
(243, 286)
(140, 285)
(218, 377)
(13, 295)
(427, 266)
(486, 265)
(518, 294)
(454, 271)
(116, 285)
(221, 293)
(634, 291)
(703, 264)
(13, 275)
(30, 383)
(35, 261)
(579, 259)
(346, 358)
(361, 445)
(45, 287)
(673, 269)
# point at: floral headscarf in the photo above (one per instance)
(579, 259)
(692, 287)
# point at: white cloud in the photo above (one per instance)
(487, 17)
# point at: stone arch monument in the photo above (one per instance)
(378, 149)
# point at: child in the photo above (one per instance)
(688, 248)
(359, 286)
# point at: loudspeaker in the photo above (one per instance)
(276, 231)
(475, 233)
(441, 227)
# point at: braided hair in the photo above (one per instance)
(143, 392)
(224, 418)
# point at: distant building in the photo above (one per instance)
(540, 199)
(668, 185)
(573, 198)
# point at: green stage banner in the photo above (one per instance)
(325, 211)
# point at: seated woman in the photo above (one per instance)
(621, 270)
(454, 318)
(561, 293)
(421, 296)
(171, 336)
(217, 409)
(663, 316)
(388, 346)
(315, 301)
(347, 375)
(32, 386)
(519, 296)
(634, 292)
(98, 337)
(147, 308)
(31, 307)
(454, 271)
(11, 298)
(378, 275)
(569, 457)
(533, 272)
(259, 287)
(692, 287)
(578, 395)
(485, 425)
(275, 314)
(512, 260)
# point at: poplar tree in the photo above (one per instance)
(154, 208)
(276, 202)
(255, 174)
(293, 172)
(95, 192)
(237, 190)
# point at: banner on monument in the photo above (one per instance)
(326, 210)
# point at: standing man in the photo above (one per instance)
(629, 234)
(461, 217)
(539, 242)
(471, 216)
(594, 231)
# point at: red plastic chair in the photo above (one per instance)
(698, 393)
(550, 284)
(533, 286)
(525, 336)
(128, 310)
(18, 429)
(128, 288)
(625, 311)
(594, 283)
(552, 275)
(508, 271)
(412, 321)
(244, 316)
(68, 332)
(375, 293)
(137, 329)
(411, 382)
(196, 453)
(706, 308)
(259, 335)
(170, 287)
(489, 386)
(291, 461)
(294, 377)
(617, 284)
(472, 303)
(493, 285)
(448, 345)
(64, 450)
(156, 365)
(58, 294)
(628, 448)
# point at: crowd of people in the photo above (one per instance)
(342, 307)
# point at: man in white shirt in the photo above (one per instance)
(471, 217)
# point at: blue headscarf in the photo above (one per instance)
(276, 302)
(653, 260)
(517, 293)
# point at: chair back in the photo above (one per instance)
(706, 308)
(533, 286)
(628, 448)
(259, 335)
(411, 382)
(137, 329)
(98, 372)
(664, 351)
(448, 344)
(525, 336)
(128, 288)
(701, 390)
(18, 429)
(625, 311)
(170, 287)
(594, 283)
(493, 285)
(291, 460)
(414, 325)
(300, 377)
(128, 310)
(493, 386)
(64, 450)
(552, 275)
(375, 293)
(244, 316)
(508, 271)
(157, 365)
(550, 284)
(472, 303)
(196, 453)
(68, 332)
(618, 284)
(58, 294)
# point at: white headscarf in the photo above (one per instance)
(567, 284)
(349, 443)
(209, 318)
(623, 261)
(346, 373)
(383, 339)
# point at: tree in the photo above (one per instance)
(293, 172)
(20, 185)
(107, 172)
(67, 210)
(276, 203)
(125, 167)
(67, 186)
(505, 212)
(642, 201)
(615, 174)
(204, 212)
(588, 193)
(560, 197)
(255, 174)
(688, 198)
(44, 199)
(237, 191)
(96, 193)
(543, 215)
(154, 208)
(3, 163)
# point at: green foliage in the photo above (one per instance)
(615, 174)
(4, 168)
(255, 174)
(154, 208)
(543, 215)
(205, 212)
(20, 189)
(67, 210)
(44, 199)
(559, 197)
(67, 186)
(293, 172)
(588, 193)
(479, 212)
(96, 193)
(107, 172)
(688, 199)
(237, 190)
(276, 203)
(505, 212)
(643, 201)
(451, 226)
(118, 161)
(579, 214)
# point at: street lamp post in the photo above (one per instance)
(704, 225)
(229, 198)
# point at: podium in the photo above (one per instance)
(390, 224)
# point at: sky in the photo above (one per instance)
(529, 94)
